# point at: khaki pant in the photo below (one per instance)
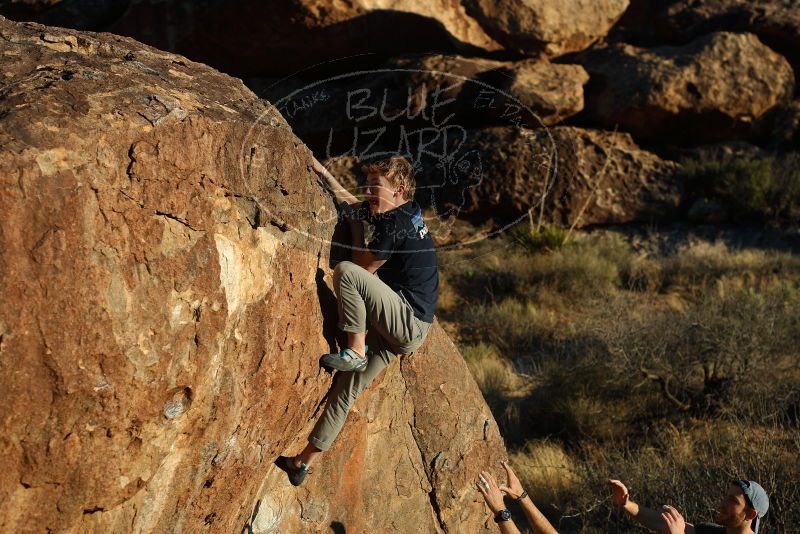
(364, 300)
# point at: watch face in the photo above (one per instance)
(502, 515)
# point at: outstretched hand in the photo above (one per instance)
(673, 520)
(513, 487)
(488, 487)
(619, 493)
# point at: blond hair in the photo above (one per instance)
(397, 170)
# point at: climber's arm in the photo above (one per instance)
(361, 255)
(341, 194)
(367, 260)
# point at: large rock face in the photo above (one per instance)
(253, 37)
(714, 88)
(164, 281)
(585, 176)
(549, 27)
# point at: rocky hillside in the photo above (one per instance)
(357, 79)
(166, 297)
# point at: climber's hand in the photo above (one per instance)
(513, 487)
(619, 493)
(490, 491)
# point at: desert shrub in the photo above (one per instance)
(721, 355)
(511, 325)
(585, 268)
(755, 189)
(785, 196)
(494, 375)
(705, 265)
(545, 239)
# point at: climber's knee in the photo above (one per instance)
(341, 270)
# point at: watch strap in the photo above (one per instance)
(524, 494)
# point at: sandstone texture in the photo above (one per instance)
(165, 288)
(585, 176)
(548, 27)
(775, 22)
(714, 88)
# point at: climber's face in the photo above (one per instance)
(381, 194)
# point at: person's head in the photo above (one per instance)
(390, 183)
(744, 501)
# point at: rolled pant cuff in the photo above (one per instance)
(353, 329)
(321, 445)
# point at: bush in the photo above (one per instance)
(763, 190)
(585, 268)
(545, 239)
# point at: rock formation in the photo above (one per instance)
(713, 89)
(412, 90)
(165, 289)
(775, 22)
(252, 37)
(598, 177)
(549, 27)
(552, 91)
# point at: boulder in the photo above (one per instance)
(713, 89)
(548, 27)
(551, 91)
(430, 92)
(161, 233)
(599, 177)
(252, 37)
(775, 22)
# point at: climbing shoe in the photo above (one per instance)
(346, 360)
(296, 474)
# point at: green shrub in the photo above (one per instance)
(764, 190)
(545, 239)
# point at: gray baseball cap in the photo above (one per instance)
(756, 498)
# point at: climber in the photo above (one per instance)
(493, 495)
(744, 504)
(382, 315)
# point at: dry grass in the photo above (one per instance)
(673, 374)
(551, 477)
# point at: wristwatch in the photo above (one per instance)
(502, 515)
